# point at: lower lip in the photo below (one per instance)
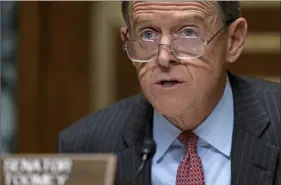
(170, 86)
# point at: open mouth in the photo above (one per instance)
(169, 83)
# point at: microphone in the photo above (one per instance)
(148, 150)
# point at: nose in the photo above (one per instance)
(165, 57)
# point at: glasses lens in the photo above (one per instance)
(142, 51)
(186, 48)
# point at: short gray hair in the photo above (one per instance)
(230, 11)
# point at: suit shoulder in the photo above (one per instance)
(91, 129)
(260, 86)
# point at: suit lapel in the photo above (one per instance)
(129, 158)
(252, 160)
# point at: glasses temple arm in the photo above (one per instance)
(226, 25)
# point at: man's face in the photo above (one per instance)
(172, 85)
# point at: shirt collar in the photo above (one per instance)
(218, 125)
(217, 128)
(164, 134)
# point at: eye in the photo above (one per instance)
(189, 33)
(149, 35)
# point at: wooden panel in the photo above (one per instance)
(266, 65)
(267, 43)
(55, 58)
(67, 82)
(262, 19)
(29, 97)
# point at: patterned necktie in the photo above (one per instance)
(190, 170)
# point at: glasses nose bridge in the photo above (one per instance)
(168, 49)
(168, 45)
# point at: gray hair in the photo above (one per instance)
(229, 10)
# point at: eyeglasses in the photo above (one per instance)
(182, 48)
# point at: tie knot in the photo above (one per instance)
(189, 140)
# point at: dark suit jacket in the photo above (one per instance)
(256, 143)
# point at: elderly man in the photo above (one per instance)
(210, 127)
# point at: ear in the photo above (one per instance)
(123, 33)
(237, 32)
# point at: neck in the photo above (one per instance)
(193, 118)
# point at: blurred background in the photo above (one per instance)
(63, 60)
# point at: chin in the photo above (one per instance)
(172, 107)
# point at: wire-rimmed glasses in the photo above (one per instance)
(183, 48)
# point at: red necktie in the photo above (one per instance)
(190, 170)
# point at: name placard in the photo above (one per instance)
(57, 169)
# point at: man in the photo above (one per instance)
(210, 126)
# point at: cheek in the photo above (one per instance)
(206, 70)
(213, 60)
(143, 70)
(217, 51)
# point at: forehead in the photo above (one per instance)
(204, 10)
